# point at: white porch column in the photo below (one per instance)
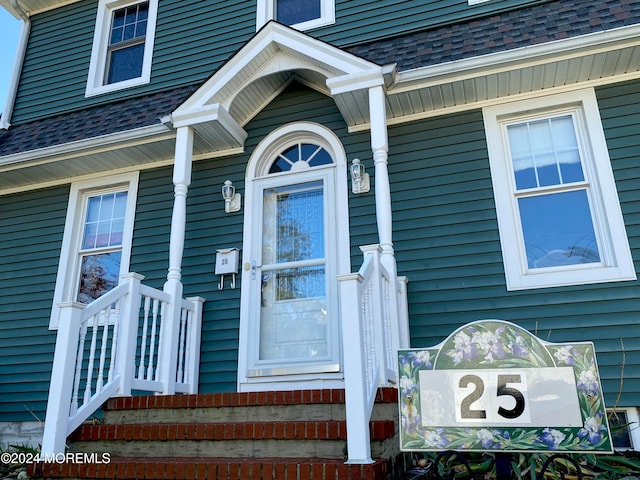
(380, 148)
(173, 285)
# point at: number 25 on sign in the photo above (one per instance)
(491, 397)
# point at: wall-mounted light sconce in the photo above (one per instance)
(359, 178)
(232, 200)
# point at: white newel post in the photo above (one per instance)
(195, 332)
(173, 286)
(61, 387)
(128, 333)
(356, 411)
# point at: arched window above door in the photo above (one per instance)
(300, 156)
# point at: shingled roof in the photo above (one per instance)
(537, 24)
(524, 27)
(91, 122)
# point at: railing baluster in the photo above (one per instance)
(103, 351)
(143, 346)
(181, 339)
(152, 341)
(92, 356)
(76, 381)
(187, 347)
(114, 343)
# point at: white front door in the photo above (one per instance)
(290, 305)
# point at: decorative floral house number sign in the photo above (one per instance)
(492, 385)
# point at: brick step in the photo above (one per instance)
(287, 430)
(259, 435)
(207, 468)
(233, 407)
(287, 439)
(242, 399)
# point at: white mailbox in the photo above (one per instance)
(227, 260)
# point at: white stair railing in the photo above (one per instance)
(373, 306)
(110, 347)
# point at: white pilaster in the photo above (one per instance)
(173, 285)
(380, 148)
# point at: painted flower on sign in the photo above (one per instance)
(552, 438)
(588, 382)
(486, 438)
(463, 348)
(435, 438)
(566, 354)
(593, 429)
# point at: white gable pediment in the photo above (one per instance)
(260, 70)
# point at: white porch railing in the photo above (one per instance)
(113, 346)
(374, 310)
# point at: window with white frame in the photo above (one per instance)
(122, 45)
(558, 211)
(97, 240)
(625, 428)
(299, 14)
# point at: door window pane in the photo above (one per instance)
(558, 229)
(293, 307)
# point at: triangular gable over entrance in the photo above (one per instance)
(274, 57)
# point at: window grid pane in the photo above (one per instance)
(129, 23)
(104, 224)
(545, 153)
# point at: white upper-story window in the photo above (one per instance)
(122, 45)
(299, 14)
(558, 210)
(96, 244)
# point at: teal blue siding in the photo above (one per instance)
(194, 38)
(446, 241)
(445, 237)
(31, 228)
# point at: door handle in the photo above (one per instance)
(254, 268)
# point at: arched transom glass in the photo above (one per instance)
(300, 156)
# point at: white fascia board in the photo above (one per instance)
(356, 81)
(88, 146)
(329, 55)
(210, 113)
(275, 40)
(33, 7)
(557, 50)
